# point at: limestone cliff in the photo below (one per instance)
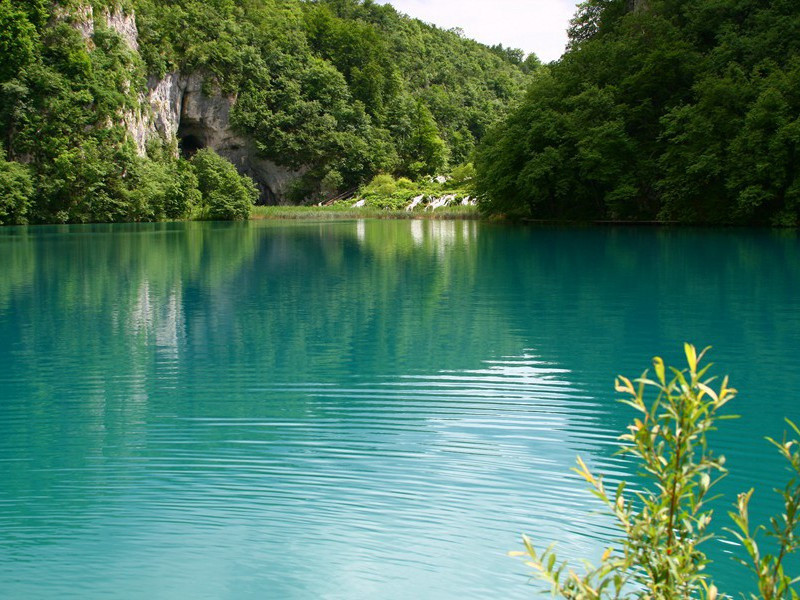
(180, 109)
(177, 108)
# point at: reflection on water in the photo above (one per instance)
(352, 409)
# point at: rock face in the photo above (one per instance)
(183, 109)
(80, 18)
(124, 25)
(176, 107)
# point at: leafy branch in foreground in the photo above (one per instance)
(773, 582)
(667, 520)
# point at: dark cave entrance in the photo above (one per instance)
(192, 136)
(189, 144)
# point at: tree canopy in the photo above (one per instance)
(669, 110)
(339, 90)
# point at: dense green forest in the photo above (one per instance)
(333, 91)
(669, 110)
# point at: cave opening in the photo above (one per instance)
(189, 144)
(194, 135)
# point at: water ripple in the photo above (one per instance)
(354, 410)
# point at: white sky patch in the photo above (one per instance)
(538, 26)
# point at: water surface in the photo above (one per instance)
(354, 409)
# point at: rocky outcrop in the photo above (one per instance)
(124, 25)
(181, 107)
(81, 18)
(165, 97)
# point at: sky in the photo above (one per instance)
(538, 26)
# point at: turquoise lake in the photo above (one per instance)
(357, 409)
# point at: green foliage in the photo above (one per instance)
(424, 150)
(168, 187)
(62, 97)
(667, 520)
(339, 89)
(344, 211)
(331, 183)
(16, 191)
(531, 63)
(17, 39)
(466, 86)
(225, 195)
(384, 192)
(387, 193)
(462, 174)
(661, 110)
(89, 183)
(773, 582)
(340, 85)
(381, 185)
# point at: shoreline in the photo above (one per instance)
(451, 213)
(290, 213)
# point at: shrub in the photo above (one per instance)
(404, 183)
(462, 174)
(182, 194)
(331, 183)
(396, 202)
(91, 183)
(16, 191)
(381, 185)
(665, 523)
(303, 189)
(226, 195)
(165, 190)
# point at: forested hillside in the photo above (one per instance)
(672, 110)
(117, 111)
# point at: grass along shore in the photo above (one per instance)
(339, 211)
(443, 197)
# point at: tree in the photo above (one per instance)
(325, 87)
(18, 40)
(16, 193)
(660, 110)
(226, 195)
(425, 150)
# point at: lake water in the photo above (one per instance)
(355, 409)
